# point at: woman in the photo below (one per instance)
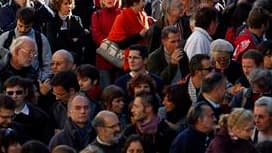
(112, 99)
(9, 141)
(101, 23)
(176, 105)
(134, 144)
(65, 31)
(234, 137)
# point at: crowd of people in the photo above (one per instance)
(196, 76)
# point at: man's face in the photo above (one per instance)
(143, 87)
(206, 67)
(248, 66)
(61, 94)
(172, 42)
(23, 28)
(17, 93)
(6, 117)
(25, 54)
(135, 61)
(222, 59)
(221, 91)
(268, 62)
(79, 110)
(263, 120)
(207, 119)
(111, 130)
(59, 64)
(138, 109)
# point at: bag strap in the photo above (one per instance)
(38, 38)
(8, 41)
(244, 99)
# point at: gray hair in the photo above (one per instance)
(265, 101)
(66, 54)
(91, 149)
(18, 42)
(99, 119)
(262, 78)
(166, 5)
(169, 29)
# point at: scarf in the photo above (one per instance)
(150, 127)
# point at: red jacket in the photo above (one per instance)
(101, 23)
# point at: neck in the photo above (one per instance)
(257, 32)
(209, 96)
(171, 20)
(20, 107)
(135, 73)
(196, 81)
(267, 132)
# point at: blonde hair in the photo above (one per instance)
(239, 118)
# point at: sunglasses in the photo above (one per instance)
(17, 92)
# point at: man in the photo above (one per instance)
(195, 139)
(169, 61)
(34, 120)
(205, 26)
(263, 120)
(200, 66)
(144, 115)
(107, 126)
(213, 92)
(25, 18)
(18, 61)
(137, 58)
(78, 131)
(65, 86)
(257, 22)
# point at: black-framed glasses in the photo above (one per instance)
(17, 92)
(112, 126)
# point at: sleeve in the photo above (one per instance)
(46, 57)
(96, 29)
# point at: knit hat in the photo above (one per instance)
(221, 45)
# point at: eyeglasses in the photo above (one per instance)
(30, 52)
(207, 69)
(17, 92)
(112, 126)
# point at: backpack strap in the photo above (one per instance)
(38, 38)
(8, 41)
(244, 98)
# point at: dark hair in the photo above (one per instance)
(26, 15)
(129, 3)
(178, 95)
(34, 146)
(66, 79)
(6, 102)
(204, 17)
(130, 139)
(240, 14)
(169, 29)
(257, 17)
(211, 81)
(254, 55)
(8, 137)
(56, 4)
(261, 78)
(141, 79)
(265, 47)
(109, 93)
(196, 112)
(149, 99)
(15, 81)
(195, 62)
(141, 49)
(63, 149)
(88, 70)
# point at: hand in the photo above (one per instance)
(176, 56)
(45, 86)
(143, 32)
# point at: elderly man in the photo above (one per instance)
(18, 61)
(107, 126)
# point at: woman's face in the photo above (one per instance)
(244, 132)
(140, 5)
(135, 147)
(117, 105)
(21, 3)
(65, 8)
(109, 3)
(222, 60)
(169, 105)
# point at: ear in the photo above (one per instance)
(95, 82)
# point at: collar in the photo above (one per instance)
(204, 32)
(102, 142)
(133, 74)
(31, 33)
(25, 110)
(214, 104)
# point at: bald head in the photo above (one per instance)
(62, 60)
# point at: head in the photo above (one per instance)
(62, 60)
(221, 53)
(176, 98)
(263, 114)
(9, 141)
(63, 7)
(200, 65)
(108, 3)
(112, 99)
(79, 109)
(138, 5)
(206, 18)
(137, 58)
(25, 18)
(201, 117)
(23, 50)
(141, 83)
(266, 49)
(258, 18)
(251, 60)
(170, 38)
(133, 144)
(87, 76)
(7, 108)
(15, 87)
(91, 149)
(144, 107)
(240, 123)
(214, 85)
(172, 9)
(34, 146)
(261, 82)
(64, 85)
(107, 126)
(63, 149)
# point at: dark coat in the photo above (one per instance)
(116, 148)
